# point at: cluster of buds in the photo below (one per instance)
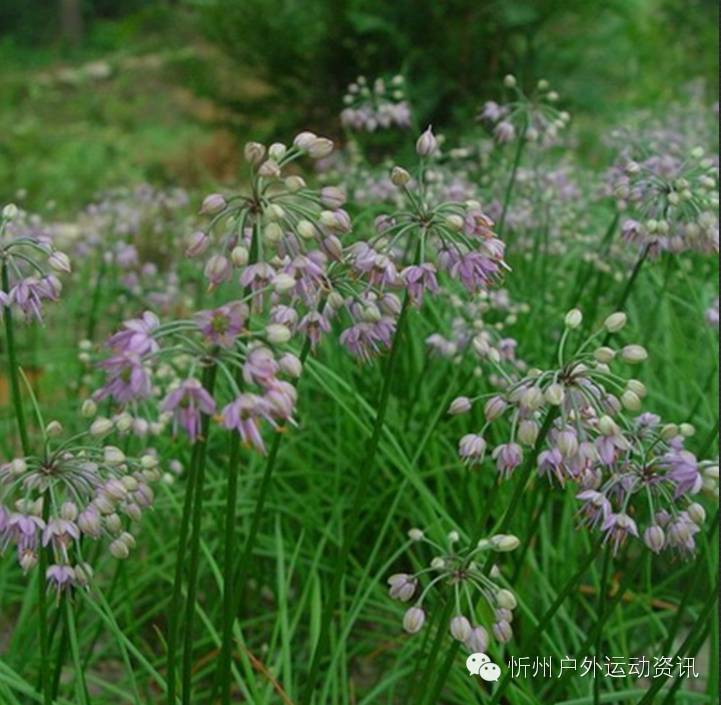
(379, 106)
(412, 244)
(462, 571)
(77, 488)
(146, 353)
(30, 265)
(480, 322)
(532, 117)
(673, 201)
(591, 438)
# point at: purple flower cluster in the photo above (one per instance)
(671, 200)
(532, 117)
(96, 493)
(375, 107)
(30, 262)
(624, 467)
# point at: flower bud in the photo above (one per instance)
(555, 394)
(638, 388)
(503, 632)
(18, 466)
(239, 256)
(506, 599)
(631, 400)
(53, 429)
(332, 197)
(633, 354)
(277, 151)
(615, 322)
(669, 431)
(604, 354)
(494, 407)
(283, 282)
(303, 140)
(123, 422)
(306, 229)
(197, 244)
(272, 233)
(528, 432)
(654, 538)
(509, 81)
(274, 212)
(217, 270)
(573, 318)
(532, 398)
(696, 513)
(607, 426)
(59, 262)
(399, 176)
(320, 147)
(119, 549)
(294, 183)
(477, 640)
(415, 535)
(113, 455)
(460, 405)
(101, 426)
(460, 628)
(269, 169)
(254, 152)
(426, 143)
(454, 221)
(291, 365)
(113, 523)
(505, 542)
(69, 511)
(89, 409)
(213, 204)
(9, 211)
(687, 430)
(413, 620)
(277, 333)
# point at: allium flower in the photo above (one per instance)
(532, 117)
(187, 402)
(29, 261)
(95, 492)
(628, 470)
(671, 200)
(380, 105)
(222, 326)
(461, 574)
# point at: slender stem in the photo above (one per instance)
(600, 610)
(174, 609)
(13, 367)
(208, 382)
(358, 501)
(228, 601)
(45, 684)
(512, 180)
(79, 674)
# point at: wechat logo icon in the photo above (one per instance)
(479, 664)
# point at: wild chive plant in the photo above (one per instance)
(460, 572)
(377, 106)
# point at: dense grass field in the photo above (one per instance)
(375, 406)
